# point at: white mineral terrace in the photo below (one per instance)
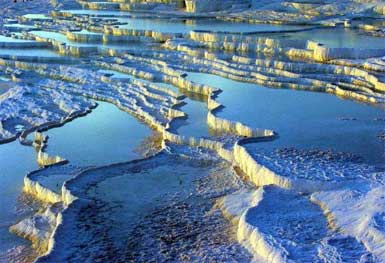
(192, 131)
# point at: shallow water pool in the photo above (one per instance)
(302, 119)
(107, 135)
(16, 161)
(340, 38)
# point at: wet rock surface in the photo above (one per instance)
(57, 63)
(177, 224)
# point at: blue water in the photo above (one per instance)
(108, 135)
(16, 161)
(340, 38)
(105, 136)
(179, 26)
(302, 119)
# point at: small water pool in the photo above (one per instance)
(107, 135)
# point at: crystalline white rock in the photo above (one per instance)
(33, 107)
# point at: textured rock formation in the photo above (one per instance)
(47, 95)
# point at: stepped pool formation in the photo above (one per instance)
(192, 131)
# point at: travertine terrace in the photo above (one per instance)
(231, 194)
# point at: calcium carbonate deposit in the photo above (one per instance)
(192, 131)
